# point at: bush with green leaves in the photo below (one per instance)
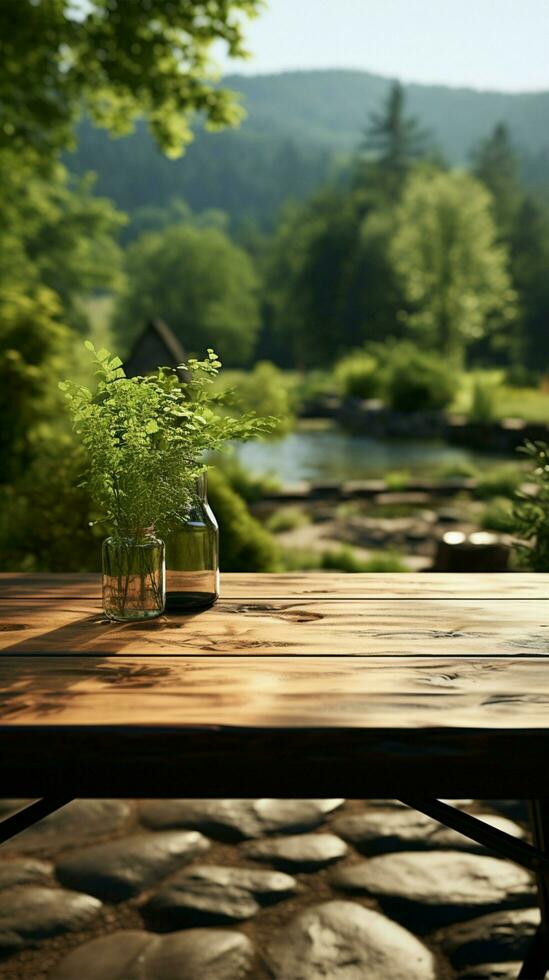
(245, 546)
(532, 510)
(146, 437)
(499, 481)
(358, 375)
(417, 380)
(483, 401)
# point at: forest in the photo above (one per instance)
(387, 262)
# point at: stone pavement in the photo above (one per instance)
(260, 890)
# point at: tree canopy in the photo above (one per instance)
(453, 272)
(116, 60)
(200, 283)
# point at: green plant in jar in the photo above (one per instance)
(146, 439)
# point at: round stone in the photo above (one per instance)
(343, 941)
(213, 895)
(500, 936)
(24, 871)
(30, 913)
(381, 830)
(198, 954)
(122, 868)
(78, 821)
(232, 820)
(425, 890)
(306, 852)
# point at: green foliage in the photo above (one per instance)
(397, 480)
(498, 516)
(146, 438)
(358, 375)
(265, 390)
(499, 481)
(418, 381)
(250, 486)
(394, 140)
(495, 164)
(344, 559)
(483, 400)
(532, 510)
(199, 282)
(245, 546)
(116, 60)
(453, 272)
(287, 519)
(45, 515)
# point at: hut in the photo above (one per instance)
(156, 346)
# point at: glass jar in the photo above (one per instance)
(134, 576)
(192, 556)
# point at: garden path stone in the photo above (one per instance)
(381, 830)
(492, 971)
(122, 868)
(232, 820)
(198, 954)
(306, 852)
(516, 809)
(24, 871)
(500, 936)
(72, 825)
(29, 913)
(213, 895)
(428, 889)
(344, 941)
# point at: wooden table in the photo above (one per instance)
(407, 686)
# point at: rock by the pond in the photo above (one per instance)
(306, 852)
(343, 941)
(492, 971)
(232, 820)
(198, 954)
(380, 830)
(215, 895)
(122, 868)
(424, 890)
(24, 871)
(72, 825)
(30, 913)
(500, 936)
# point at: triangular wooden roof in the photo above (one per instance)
(156, 346)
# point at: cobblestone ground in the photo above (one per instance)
(260, 890)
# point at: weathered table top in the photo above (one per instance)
(291, 685)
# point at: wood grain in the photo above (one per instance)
(327, 585)
(263, 628)
(343, 692)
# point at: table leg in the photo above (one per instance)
(536, 964)
(19, 821)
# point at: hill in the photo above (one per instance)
(300, 125)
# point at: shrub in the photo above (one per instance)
(483, 401)
(286, 519)
(418, 381)
(532, 511)
(358, 375)
(501, 481)
(498, 516)
(396, 480)
(245, 546)
(344, 559)
(266, 390)
(251, 486)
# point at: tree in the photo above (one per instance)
(529, 245)
(197, 280)
(495, 165)
(116, 60)
(453, 272)
(394, 140)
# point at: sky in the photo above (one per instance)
(484, 44)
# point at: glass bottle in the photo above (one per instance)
(192, 556)
(134, 576)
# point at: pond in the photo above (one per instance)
(330, 454)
